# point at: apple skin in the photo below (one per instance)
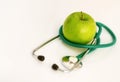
(79, 27)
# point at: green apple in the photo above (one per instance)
(79, 27)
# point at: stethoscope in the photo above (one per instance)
(72, 62)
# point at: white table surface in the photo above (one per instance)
(24, 24)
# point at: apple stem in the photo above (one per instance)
(82, 17)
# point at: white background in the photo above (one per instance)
(25, 24)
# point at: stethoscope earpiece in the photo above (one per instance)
(41, 58)
(72, 62)
(55, 67)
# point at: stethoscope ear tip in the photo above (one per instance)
(55, 67)
(41, 58)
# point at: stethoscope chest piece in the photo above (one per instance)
(71, 61)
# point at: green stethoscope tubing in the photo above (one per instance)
(89, 46)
